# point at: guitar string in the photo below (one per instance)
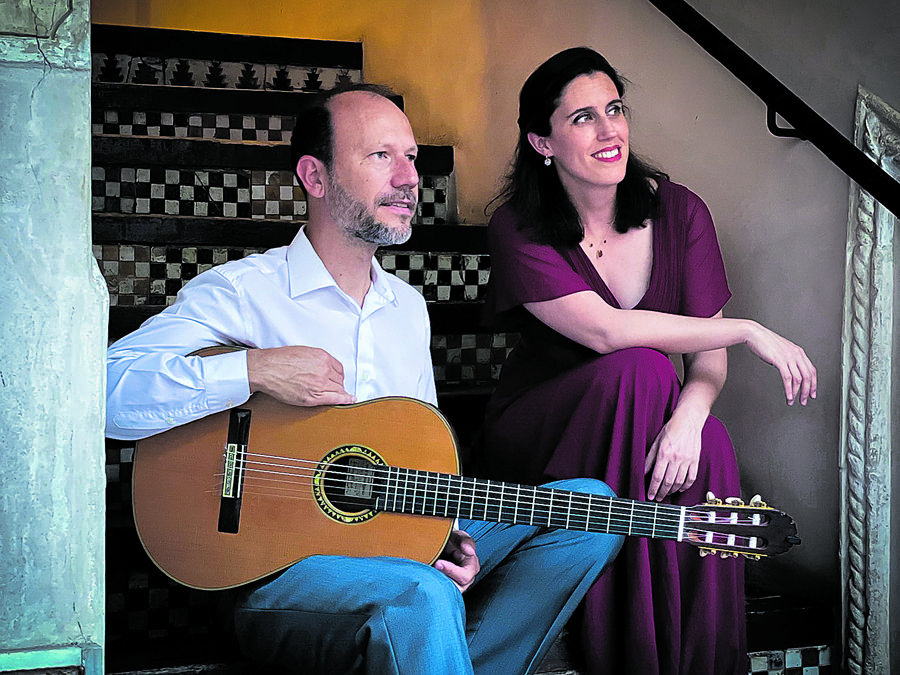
(477, 487)
(621, 512)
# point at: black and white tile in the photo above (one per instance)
(238, 193)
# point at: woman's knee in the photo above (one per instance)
(636, 368)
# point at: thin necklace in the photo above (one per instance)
(599, 250)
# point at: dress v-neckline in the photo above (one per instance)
(586, 261)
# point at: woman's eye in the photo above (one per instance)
(582, 117)
(615, 110)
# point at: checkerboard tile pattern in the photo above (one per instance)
(227, 193)
(171, 192)
(432, 207)
(470, 358)
(153, 275)
(794, 661)
(439, 277)
(230, 127)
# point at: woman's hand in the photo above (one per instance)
(458, 560)
(798, 374)
(674, 455)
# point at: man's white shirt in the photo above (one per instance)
(282, 297)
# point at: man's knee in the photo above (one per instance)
(426, 591)
(604, 547)
(586, 485)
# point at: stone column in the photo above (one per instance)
(53, 318)
(868, 435)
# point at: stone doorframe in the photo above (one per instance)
(868, 382)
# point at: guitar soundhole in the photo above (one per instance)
(349, 482)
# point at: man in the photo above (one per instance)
(324, 324)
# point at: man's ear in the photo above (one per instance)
(311, 172)
(540, 144)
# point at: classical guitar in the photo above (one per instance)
(241, 494)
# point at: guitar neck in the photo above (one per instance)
(428, 493)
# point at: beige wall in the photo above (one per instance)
(780, 205)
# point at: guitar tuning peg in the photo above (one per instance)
(712, 499)
(728, 554)
(757, 502)
(734, 501)
(705, 552)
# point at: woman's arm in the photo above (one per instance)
(675, 454)
(585, 318)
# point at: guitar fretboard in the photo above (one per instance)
(428, 493)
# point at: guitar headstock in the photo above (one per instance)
(731, 528)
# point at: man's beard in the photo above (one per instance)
(359, 222)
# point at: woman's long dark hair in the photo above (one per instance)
(534, 190)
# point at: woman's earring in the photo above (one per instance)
(547, 161)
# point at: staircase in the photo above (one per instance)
(190, 153)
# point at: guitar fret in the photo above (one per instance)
(569, 512)
(653, 531)
(631, 518)
(516, 505)
(445, 492)
(432, 491)
(533, 500)
(405, 489)
(587, 517)
(418, 494)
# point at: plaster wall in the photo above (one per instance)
(780, 205)
(53, 308)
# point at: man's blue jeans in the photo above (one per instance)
(385, 616)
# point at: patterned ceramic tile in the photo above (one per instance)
(239, 193)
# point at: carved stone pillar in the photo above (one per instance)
(866, 425)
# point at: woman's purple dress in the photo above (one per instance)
(562, 411)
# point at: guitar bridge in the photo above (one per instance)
(235, 471)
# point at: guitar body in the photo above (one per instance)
(178, 486)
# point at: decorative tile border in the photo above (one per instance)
(215, 74)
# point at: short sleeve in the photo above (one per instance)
(523, 271)
(704, 287)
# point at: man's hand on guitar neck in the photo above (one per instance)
(305, 376)
(458, 560)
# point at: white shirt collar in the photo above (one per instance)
(307, 272)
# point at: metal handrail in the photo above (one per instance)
(807, 123)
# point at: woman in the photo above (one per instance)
(605, 267)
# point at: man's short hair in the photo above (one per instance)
(313, 133)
